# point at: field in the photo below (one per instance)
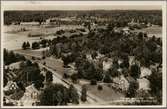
(13, 36)
(107, 93)
(153, 30)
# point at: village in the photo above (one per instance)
(83, 61)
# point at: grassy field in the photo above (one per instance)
(30, 52)
(15, 29)
(153, 30)
(13, 37)
(107, 94)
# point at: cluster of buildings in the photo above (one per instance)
(122, 82)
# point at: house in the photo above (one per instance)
(116, 30)
(121, 83)
(130, 79)
(144, 84)
(59, 47)
(15, 65)
(99, 55)
(149, 24)
(89, 57)
(107, 63)
(29, 23)
(131, 60)
(145, 72)
(52, 20)
(70, 71)
(11, 86)
(133, 23)
(30, 96)
(126, 30)
(35, 34)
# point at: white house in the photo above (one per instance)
(145, 72)
(126, 30)
(144, 84)
(15, 65)
(30, 96)
(11, 86)
(122, 83)
(107, 63)
(29, 23)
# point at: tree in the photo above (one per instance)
(24, 47)
(93, 82)
(88, 25)
(110, 27)
(31, 74)
(74, 78)
(49, 76)
(20, 85)
(84, 93)
(54, 94)
(27, 45)
(156, 85)
(135, 71)
(28, 63)
(44, 43)
(39, 83)
(100, 87)
(11, 57)
(35, 45)
(132, 89)
(107, 78)
(140, 35)
(73, 94)
(69, 58)
(5, 80)
(94, 54)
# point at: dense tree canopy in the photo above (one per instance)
(57, 94)
(11, 57)
(49, 76)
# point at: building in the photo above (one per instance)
(107, 64)
(121, 83)
(29, 23)
(30, 97)
(144, 84)
(11, 86)
(133, 23)
(145, 72)
(126, 30)
(15, 65)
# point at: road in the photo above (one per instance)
(90, 97)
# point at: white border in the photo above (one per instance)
(14, 5)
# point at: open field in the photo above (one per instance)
(107, 93)
(153, 30)
(13, 38)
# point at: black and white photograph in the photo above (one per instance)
(83, 54)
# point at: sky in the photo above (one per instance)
(73, 5)
(84, 7)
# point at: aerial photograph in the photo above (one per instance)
(83, 56)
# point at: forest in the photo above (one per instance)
(122, 16)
